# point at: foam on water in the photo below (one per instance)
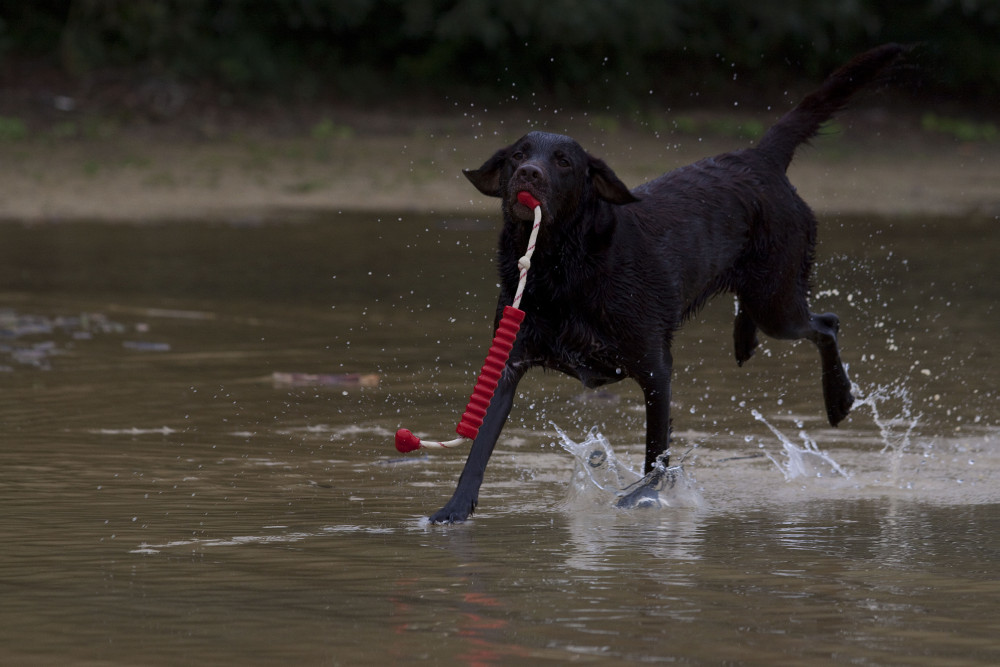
(281, 537)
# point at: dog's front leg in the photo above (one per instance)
(655, 385)
(463, 502)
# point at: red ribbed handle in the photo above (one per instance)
(493, 367)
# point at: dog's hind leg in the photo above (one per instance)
(788, 318)
(822, 331)
(836, 386)
(744, 336)
(796, 322)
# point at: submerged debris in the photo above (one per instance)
(325, 380)
(144, 346)
(14, 326)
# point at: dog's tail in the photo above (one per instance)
(803, 122)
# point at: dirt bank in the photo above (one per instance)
(874, 162)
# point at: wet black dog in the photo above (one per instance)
(615, 272)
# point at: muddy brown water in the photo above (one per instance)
(165, 498)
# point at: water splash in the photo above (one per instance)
(600, 477)
(895, 432)
(806, 461)
(597, 467)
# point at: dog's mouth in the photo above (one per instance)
(524, 204)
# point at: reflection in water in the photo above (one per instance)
(165, 500)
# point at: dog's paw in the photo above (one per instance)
(837, 396)
(744, 353)
(453, 513)
(838, 408)
(646, 492)
(641, 496)
(745, 340)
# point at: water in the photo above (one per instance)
(193, 470)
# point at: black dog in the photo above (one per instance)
(615, 272)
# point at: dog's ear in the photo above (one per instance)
(487, 178)
(608, 186)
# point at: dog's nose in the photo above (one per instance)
(529, 173)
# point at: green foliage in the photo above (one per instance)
(722, 126)
(585, 52)
(12, 129)
(326, 130)
(961, 129)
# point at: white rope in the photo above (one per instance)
(448, 444)
(525, 262)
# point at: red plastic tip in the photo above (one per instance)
(406, 441)
(527, 199)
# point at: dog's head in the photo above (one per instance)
(555, 170)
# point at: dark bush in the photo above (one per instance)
(582, 52)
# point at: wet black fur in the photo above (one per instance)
(615, 272)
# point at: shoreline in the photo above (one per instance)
(874, 164)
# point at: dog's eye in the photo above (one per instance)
(517, 156)
(563, 162)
